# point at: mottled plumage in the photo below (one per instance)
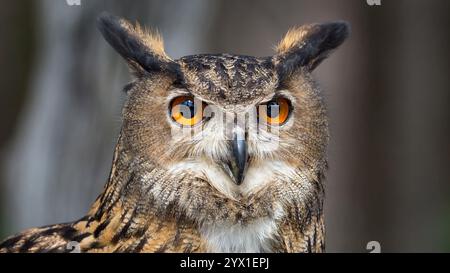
(178, 189)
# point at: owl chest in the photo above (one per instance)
(252, 238)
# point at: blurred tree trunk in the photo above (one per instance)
(16, 57)
(420, 147)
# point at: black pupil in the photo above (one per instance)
(273, 109)
(187, 108)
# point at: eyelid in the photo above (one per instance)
(175, 93)
(279, 93)
(274, 97)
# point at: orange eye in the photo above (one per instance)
(187, 111)
(275, 112)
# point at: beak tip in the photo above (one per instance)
(239, 179)
(240, 160)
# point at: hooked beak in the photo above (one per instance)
(239, 159)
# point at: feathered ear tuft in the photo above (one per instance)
(293, 39)
(142, 49)
(308, 45)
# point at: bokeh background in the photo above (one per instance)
(387, 90)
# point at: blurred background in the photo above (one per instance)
(387, 90)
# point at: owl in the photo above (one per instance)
(216, 153)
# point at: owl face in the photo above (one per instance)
(232, 137)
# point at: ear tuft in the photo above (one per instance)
(151, 39)
(293, 39)
(143, 49)
(308, 45)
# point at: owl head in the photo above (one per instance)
(222, 137)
